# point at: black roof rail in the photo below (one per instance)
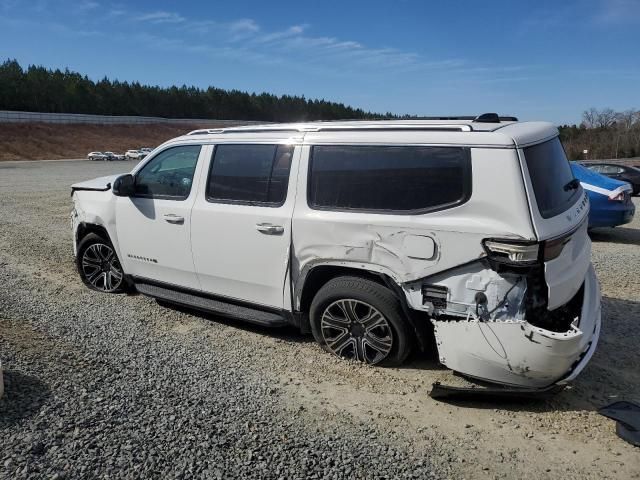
(493, 118)
(483, 118)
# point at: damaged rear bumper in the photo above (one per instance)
(519, 354)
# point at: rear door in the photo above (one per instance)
(241, 222)
(559, 209)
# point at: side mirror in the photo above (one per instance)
(124, 186)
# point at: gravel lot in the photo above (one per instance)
(117, 386)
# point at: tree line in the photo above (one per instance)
(38, 89)
(603, 134)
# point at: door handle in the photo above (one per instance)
(173, 218)
(270, 229)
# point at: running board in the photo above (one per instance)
(248, 314)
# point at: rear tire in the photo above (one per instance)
(358, 319)
(99, 266)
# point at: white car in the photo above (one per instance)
(132, 155)
(114, 156)
(96, 156)
(366, 234)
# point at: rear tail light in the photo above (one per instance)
(620, 197)
(553, 248)
(514, 253)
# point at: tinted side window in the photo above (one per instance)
(550, 175)
(169, 174)
(251, 174)
(388, 178)
(609, 169)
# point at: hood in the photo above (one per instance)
(595, 182)
(101, 184)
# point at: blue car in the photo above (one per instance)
(610, 199)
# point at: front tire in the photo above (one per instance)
(99, 266)
(360, 320)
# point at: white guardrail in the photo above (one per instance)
(7, 116)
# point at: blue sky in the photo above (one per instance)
(546, 60)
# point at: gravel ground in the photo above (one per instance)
(117, 386)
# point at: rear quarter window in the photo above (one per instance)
(388, 179)
(550, 175)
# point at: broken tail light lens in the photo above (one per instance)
(517, 253)
(621, 197)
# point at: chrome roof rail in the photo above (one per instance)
(336, 128)
(397, 127)
(205, 131)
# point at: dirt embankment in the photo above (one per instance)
(46, 141)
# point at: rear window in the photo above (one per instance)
(388, 179)
(550, 175)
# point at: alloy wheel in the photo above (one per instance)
(356, 330)
(101, 268)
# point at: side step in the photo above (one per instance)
(248, 314)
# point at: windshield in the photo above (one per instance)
(551, 177)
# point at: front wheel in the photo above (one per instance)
(360, 320)
(99, 266)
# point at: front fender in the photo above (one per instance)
(94, 208)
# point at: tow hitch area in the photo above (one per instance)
(447, 392)
(496, 327)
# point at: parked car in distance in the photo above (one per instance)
(144, 151)
(610, 199)
(114, 156)
(132, 155)
(365, 234)
(619, 172)
(96, 156)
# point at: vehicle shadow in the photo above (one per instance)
(286, 333)
(418, 360)
(611, 375)
(622, 235)
(23, 397)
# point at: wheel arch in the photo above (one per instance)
(313, 279)
(85, 228)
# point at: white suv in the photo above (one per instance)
(367, 234)
(132, 155)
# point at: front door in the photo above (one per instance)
(154, 225)
(241, 223)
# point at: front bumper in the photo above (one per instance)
(74, 229)
(518, 354)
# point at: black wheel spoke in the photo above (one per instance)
(101, 268)
(373, 320)
(339, 344)
(356, 330)
(330, 320)
(381, 345)
(94, 276)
